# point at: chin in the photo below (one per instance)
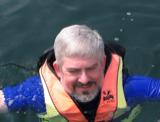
(86, 96)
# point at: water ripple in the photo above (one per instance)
(8, 7)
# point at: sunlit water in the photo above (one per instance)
(29, 27)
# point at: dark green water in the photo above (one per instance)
(29, 27)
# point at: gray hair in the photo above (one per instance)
(78, 40)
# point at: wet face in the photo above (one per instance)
(81, 77)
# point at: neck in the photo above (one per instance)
(88, 108)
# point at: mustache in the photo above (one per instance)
(89, 83)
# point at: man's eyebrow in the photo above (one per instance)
(75, 68)
(93, 65)
(72, 68)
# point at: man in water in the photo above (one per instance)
(80, 79)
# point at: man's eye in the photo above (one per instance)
(73, 71)
(91, 68)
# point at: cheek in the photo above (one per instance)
(68, 83)
(97, 76)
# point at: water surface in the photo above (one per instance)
(28, 27)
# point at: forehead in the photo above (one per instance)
(79, 61)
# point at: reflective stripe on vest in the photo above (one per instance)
(61, 108)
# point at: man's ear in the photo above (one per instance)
(56, 69)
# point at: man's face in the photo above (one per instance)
(81, 77)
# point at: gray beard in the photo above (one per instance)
(86, 96)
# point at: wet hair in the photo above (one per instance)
(78, 40)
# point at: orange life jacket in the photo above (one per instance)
(112, 96)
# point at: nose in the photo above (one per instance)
(84, 79)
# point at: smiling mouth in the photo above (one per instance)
(89, 84)
(85, 89)
(86, 86)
